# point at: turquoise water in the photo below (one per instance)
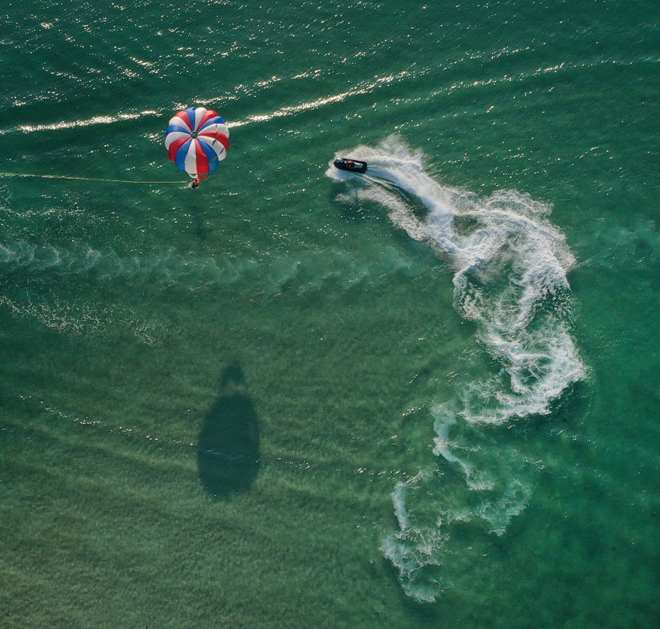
(425, 397)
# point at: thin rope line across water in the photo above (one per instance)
(89, 179)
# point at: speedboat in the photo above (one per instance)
(352, 165)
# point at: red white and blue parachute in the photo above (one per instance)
(197, 140)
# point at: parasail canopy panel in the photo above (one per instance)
(197, 140)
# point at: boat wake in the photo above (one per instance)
(510, 266)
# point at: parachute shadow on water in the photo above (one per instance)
(228, 454)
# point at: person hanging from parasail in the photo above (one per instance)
(197, 140)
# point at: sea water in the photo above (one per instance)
(297, 397)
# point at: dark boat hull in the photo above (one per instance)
(351, 165)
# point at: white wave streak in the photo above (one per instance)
(337, 98)
(510, 279)
(71, 124)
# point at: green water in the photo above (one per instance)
(238, 406)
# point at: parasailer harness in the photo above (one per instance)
(89, 179)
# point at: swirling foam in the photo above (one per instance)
(510, 267)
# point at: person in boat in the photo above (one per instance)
(352, 165)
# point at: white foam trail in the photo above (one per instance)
(510, 267)
(510, 278)
(415, 549)
(303, 270)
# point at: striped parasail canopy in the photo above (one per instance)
(197, 140)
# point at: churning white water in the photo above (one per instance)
(510, 268)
